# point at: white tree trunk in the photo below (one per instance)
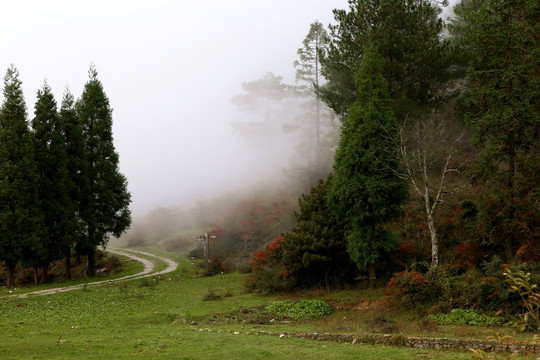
(434, 241)
(417, 145)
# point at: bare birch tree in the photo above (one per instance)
(431, 160)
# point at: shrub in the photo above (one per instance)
(465, 317)
(315, 250)
(471, 289)
(215, 266)
(268, 274)
(469, 254)
(406, 254)
(493, 266)
(410, 287)
(114, 264)
(520, 283)
(305, 309)
(26, 276)
(243, 267)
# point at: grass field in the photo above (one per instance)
(166, 317)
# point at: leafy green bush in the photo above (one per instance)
(305, 309)
(520, 283)
(465, 317)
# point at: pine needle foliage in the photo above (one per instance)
(364, 196)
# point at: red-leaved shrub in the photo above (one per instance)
(267, 271)
(408, 286)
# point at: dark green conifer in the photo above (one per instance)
(20, 220)
(364, 195)
(315, 250)
(76, 168)
(414, 59)
(105, 206)
(51, 161)
(502, 42)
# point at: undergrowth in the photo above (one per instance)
(465, 317)
(305, 309)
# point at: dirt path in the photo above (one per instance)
(171, 264)
(148, 271)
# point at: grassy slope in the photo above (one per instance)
(151, 318)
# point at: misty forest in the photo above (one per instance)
(408, 204)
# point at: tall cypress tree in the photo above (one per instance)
(76, 168)
(20, 220)
(51, 160)
(364, 195)
(105, 205)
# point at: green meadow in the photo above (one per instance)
(182, 315)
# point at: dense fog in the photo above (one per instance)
(171, 70)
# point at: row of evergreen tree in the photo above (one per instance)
(60, 186)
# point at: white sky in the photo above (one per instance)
(169, 69)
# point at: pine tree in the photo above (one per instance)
(315, 250)
(364, 196)
(105, 205)
(308, 72)
(263, 96)
(76, 166)
(51, 160)
(408, 34)
(20, 220)
(502, 40)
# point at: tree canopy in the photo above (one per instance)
(415, 61)
(105, 208)
(315, 250)
(20, 218)
(364, 195)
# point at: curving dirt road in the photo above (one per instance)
(148, 271)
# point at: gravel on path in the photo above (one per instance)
(148, 271)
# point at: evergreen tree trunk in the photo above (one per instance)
(10, 275)
(36, 275)
(44, 274)
(318, 162)
(91, 270)
(68, 265)
(318, 120)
